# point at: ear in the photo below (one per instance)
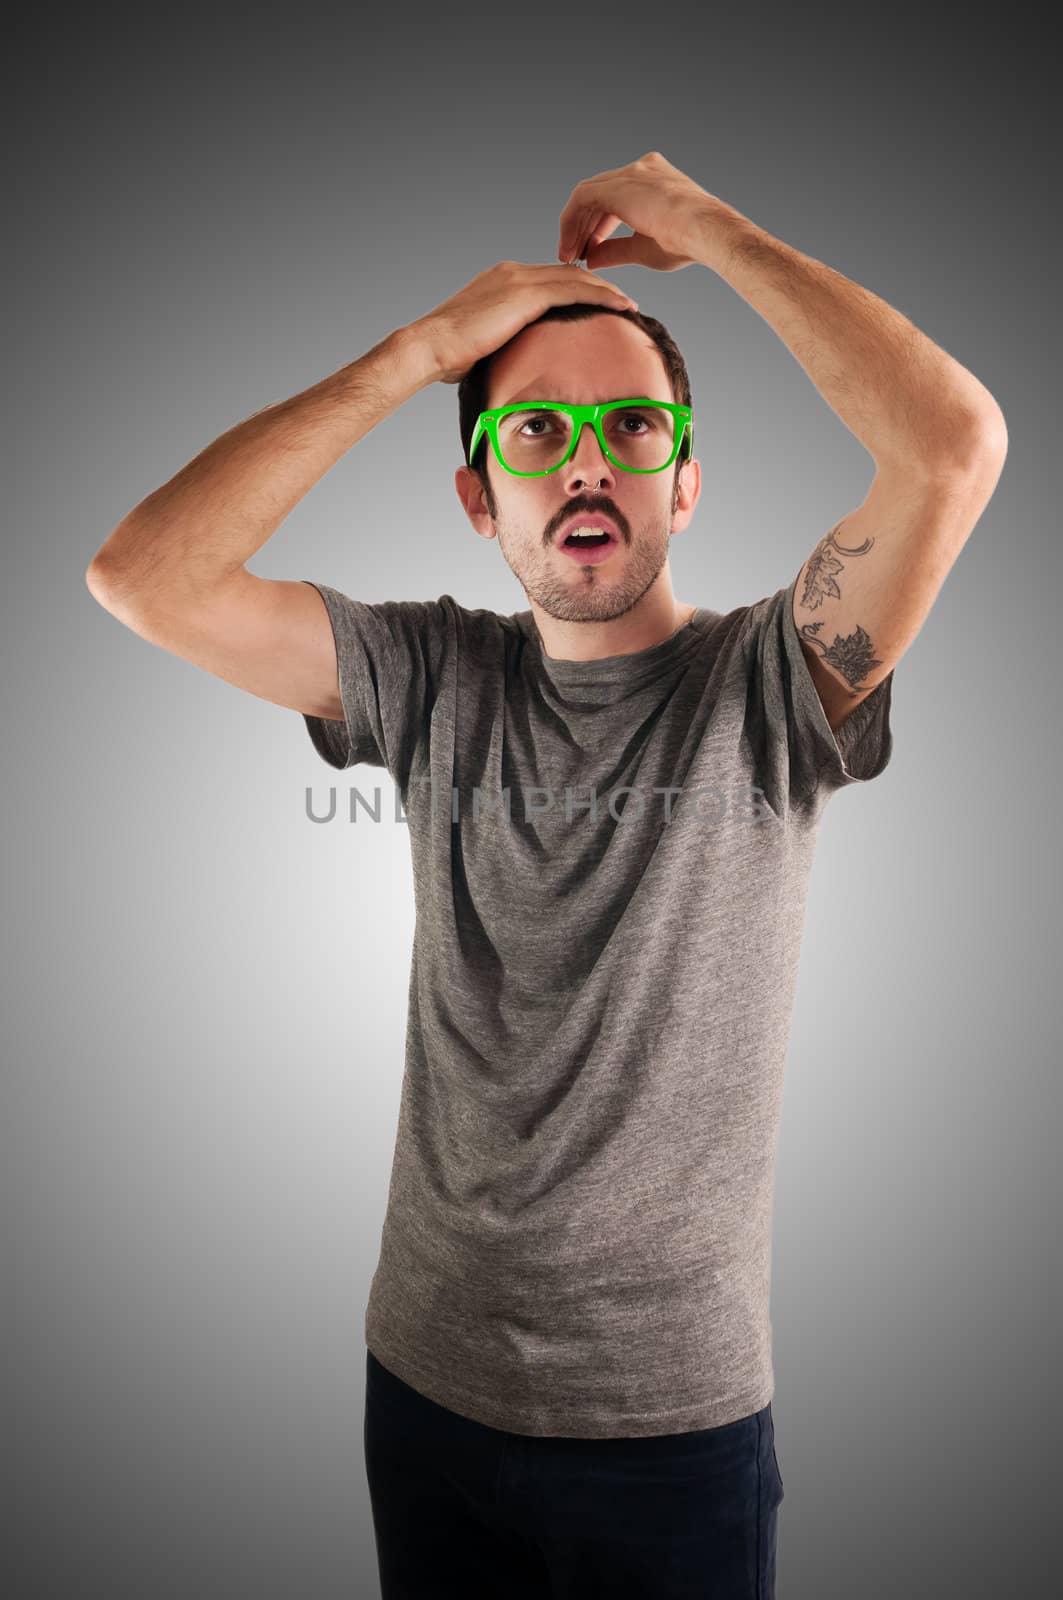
(689, 493)
(471, 494)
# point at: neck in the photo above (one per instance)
(656, 617)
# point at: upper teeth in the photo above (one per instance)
(580, 532)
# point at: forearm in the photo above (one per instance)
(904, 398)
(211, 517)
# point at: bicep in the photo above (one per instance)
(269, 637)
(868, 586)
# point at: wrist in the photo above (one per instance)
(718, 231)
(413, 350)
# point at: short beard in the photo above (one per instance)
(596, 598)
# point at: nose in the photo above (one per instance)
(588, 463)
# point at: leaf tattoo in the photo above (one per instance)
(823, 566)
(852, 655)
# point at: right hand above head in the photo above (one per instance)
(498, 303)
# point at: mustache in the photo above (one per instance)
(599, 510)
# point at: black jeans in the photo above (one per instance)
(463, 1509)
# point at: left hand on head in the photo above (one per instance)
(652, 197)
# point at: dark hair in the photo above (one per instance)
(472, 390)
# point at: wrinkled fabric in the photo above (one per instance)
(610, 863)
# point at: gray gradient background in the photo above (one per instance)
(205, 993)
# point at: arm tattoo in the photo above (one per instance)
(852, 654)
(823, 566)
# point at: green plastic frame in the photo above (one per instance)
(487, 423)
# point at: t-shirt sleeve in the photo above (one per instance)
(389, 657)
(801, 758)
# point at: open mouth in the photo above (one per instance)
(588, 547)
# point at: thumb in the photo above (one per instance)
(634, 250)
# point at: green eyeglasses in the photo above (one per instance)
(536, 437)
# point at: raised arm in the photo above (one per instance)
(174, 569)
(936, 434)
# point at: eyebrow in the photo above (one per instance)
(538, 400)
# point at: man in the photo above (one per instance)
(613, 800)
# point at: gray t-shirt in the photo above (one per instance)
(578, 1230)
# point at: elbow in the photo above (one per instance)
(94, 580)
(986, 436)
(111, 587)
(111, 571)
(987, 450)
(995, 432)
(977, 445)
(99, 582)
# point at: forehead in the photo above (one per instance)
(581, 363)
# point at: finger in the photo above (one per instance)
(582, 237)
(618, 252)
(577, 228)
(592, 284)
(596, 226)
(570, 235)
